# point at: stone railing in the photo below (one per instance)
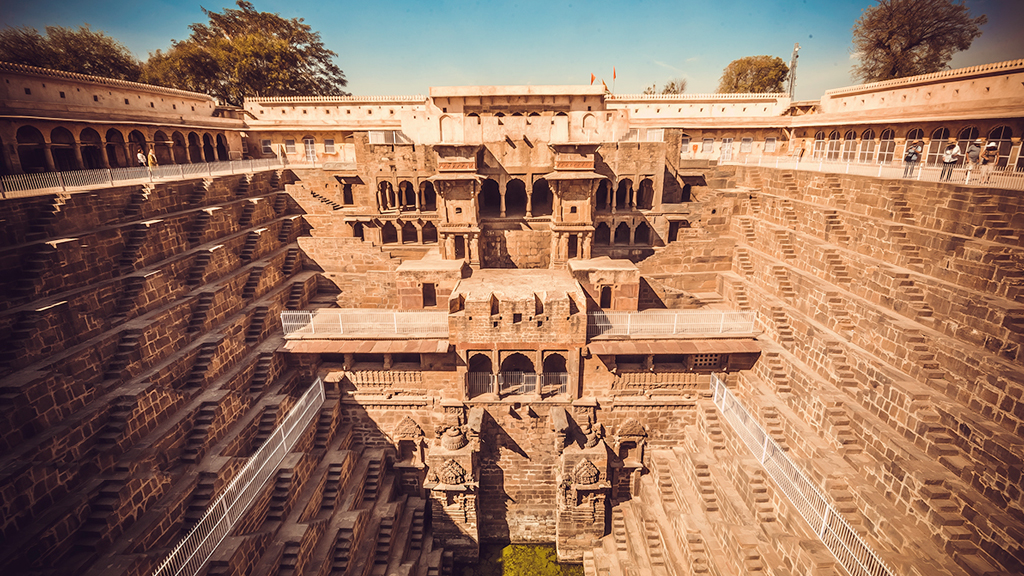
(855, 555)
(1006, 178)
(998, 67)
(358, 322)
(24, 185)
(669, 323)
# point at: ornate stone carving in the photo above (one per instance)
(632, 428)
(453, 473)
(408, 429)
(453, 439)
(585, 473)
(594, 434)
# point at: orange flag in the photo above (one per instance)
(605, 85)
(592, 77)
(613, 72)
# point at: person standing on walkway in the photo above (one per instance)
(988, 161)
(973, 158)
(152, 158)
(910, 159)
(950, 157)
(141, 158)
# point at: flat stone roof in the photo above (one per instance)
(601, 263)
(428, 264)
(516, 284)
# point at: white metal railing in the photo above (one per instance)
(360, 322)
(23, 185)
(1007, 177)
(189, 556)
(517, 383)
(666, 323)
(843, 541)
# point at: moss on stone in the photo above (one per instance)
(519, 560)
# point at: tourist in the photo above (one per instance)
(973, 158)
(141, 158)
(988, 161)
(152, 159)
(910, 159)
(949, 159)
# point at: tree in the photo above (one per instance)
(900, 38)
(754, 74)
(81, 51)
(674, 86)
(248, 53)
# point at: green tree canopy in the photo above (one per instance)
(248, 53)
(82, 51)
(754, 74)
(900, 38)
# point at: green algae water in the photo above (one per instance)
(518, 560)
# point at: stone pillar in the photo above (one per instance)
(78, 155)
(417, 193)
(502, 213)
(588, 240)
(419, 233)
(452, 480)
(554, 248)
(632, 236)
(48, 157)
(130, 158)
(473, 249)
(188, 152)
(104, 156)
(583, 486)
(388, 361)
(449, 247)
(529, 203)
(556, 201)
(11, 158)
(611, 195)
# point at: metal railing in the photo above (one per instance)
(666, 323)
(356, 322)
(24, 185)
(189, 556)
(517, 383)
(843, 541)
(1007, 177)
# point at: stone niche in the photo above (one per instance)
(453, 480)
(583, 480)
(410, 465)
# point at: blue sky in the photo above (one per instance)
(392, 47)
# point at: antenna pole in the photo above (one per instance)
(792, 70)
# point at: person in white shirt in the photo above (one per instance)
(950, 158)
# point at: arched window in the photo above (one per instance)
(62, 148)
(208, 153)
(1001, 136)
(819, 145)
(91, 149)
(517, 363)
(447, 129)
(162, 147)
(940, 136)
(965, 136)
(490, 198)
(887, 146)
(178, 153)
(622, 233)
(429, 233)
(645, 196)
(624, 194)
(541, 198)
(602, 234)
(867, 146)
(602, 196)
(428, 197)
(195, 148)
(833, 145)
(515, 198)
(408, 233)
(849, 146)
(480, 363)
(115, 150)
(915, 135)
(30, 150)
(642, 234)
(388, 234)
(407, 195)
(222, 148)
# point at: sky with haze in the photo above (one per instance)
(390, 47)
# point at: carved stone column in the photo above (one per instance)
(453, 480)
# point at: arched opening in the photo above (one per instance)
(5, 170)
(602, 196)
(833, 146)
(429, 233)
(819, 144)
(460, 247)
(606, 297)
(62, 148)
(517, 363)
(515, 198)
(602, 234)
(915, 135)
(642, 234)
(91, 147)
(849, 146)
(542, 198)
(428, 196)
(195, 148)
(31, 150)
(687, 193)
(560, 127)
(964, 138)
(161, 145)
(357, 230)
(386, 195)
(867, 146)
(937, 145)
(622, 233)
(572, 247)
(222, 148)
(490, 198)
(408, 233)
(136, 144)
(388, 233)
(480, 363)
(554, 364)
(589, 126)
(179, 154)
(447, 129)
(887, 146)
(623, 194)
(673, 231)
(645, 196)
(115, 150)
(1001, 136)
(208, 153)
(407, 193)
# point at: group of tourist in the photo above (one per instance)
(145, 161)
(978, 158)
